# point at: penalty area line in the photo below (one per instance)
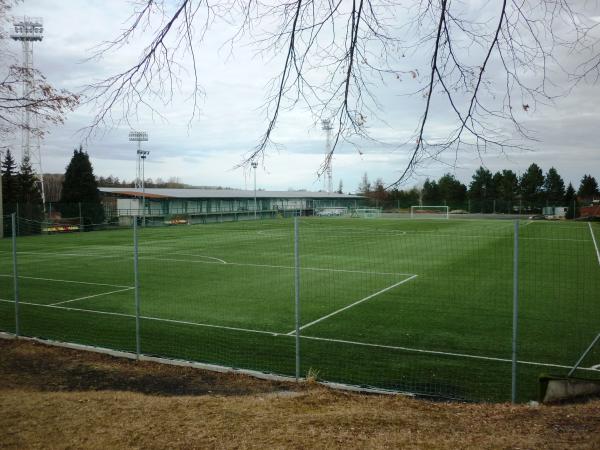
(91, 296)
(66, 281)
(293, 332)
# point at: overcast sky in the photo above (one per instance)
(231, 121)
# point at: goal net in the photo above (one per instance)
(429, 212)
(366, 213)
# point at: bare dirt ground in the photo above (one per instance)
(54, 397)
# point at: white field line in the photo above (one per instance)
(223, 262)
(158, 319)
(595, 243)
(276, 234)
(434, 352)
(315, 269)
(91, 296)
(67, 255)
(68, 281)
(340, 341)
(218, 260)
(293, 332)
(272, 266)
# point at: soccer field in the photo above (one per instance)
(423, 306)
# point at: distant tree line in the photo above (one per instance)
(112, 181)
(503, 191)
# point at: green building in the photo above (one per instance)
(213, 205)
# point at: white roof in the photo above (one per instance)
(224, 193)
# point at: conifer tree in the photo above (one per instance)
(29, 198)
(10, 187)
(80, 187)
(482, 190)
(588, 188)
(571, 201)
(452, 191)
(431, 192)
(554, 187)
(531, 184)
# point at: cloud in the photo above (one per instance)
(233, 118)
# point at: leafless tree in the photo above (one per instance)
(46, 104)
(53, 186)
(488, 63)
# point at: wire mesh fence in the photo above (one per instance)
(473, 310)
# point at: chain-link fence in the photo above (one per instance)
(568, 208)
(461, 309)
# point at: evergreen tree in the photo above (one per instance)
(80, 187)
(481, 190)
(531, 184)
(506, 184)
(431, 193)
(404, 199)
(10, 183)
(571, 201)
(10, 189)
(452, 191)
(340, 187)
(29, 199)
(554, 188)
(588, 189)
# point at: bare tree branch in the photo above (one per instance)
(487, 69)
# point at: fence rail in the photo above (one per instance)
(471, 310)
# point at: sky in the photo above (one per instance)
(206, 150)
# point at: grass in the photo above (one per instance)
(421, 306)
(55, 397)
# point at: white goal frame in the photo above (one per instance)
(366, 213)
(445, 211)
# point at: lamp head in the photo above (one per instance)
(138, 136)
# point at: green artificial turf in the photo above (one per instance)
(424, 306)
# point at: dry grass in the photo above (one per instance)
(58, 398)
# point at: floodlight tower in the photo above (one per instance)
(139, 137)
(328, 181)
(27, 30)
(1, 204)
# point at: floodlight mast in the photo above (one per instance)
(28, 30)
(139, 137)
(254, 166)
(1, 204)
(328, 179)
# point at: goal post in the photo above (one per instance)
(366, 213)
(429, 212)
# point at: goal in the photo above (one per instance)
(366, 213)
(429, 212)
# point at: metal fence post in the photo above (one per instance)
(515, 323)
(136, 284)
(297, 294)
(13, 218)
